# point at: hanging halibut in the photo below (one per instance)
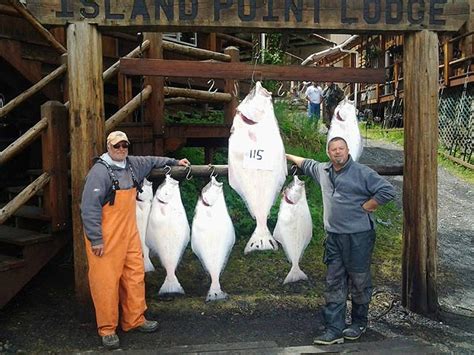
(257, 163)
(212, 236)
(294, 227)
(144, 201)
(344, 124)
(168, 231)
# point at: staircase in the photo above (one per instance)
(23, 253)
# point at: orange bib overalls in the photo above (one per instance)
(117, 277)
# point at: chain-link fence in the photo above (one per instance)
(456, 121)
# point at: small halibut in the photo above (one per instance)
(168, 232)
(294, 227)
(213, 235)
(144, 201)
(344, 124)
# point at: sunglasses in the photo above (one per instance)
(123, 145)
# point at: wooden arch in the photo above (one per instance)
(419, 20)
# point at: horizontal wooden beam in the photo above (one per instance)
(197, 94)
(180, 172)
(322, 16)
(198, 53)
(242, 71)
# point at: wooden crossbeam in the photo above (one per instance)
(242, 71)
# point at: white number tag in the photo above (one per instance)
(256, 158)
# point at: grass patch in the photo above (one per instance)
(397, 137)
(255, 281)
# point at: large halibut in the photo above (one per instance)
(168, 231)
(257, 163)
(212, 235)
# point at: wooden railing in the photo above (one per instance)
(53, 129)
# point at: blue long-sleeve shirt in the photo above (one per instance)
(344, 193)
(98, 187)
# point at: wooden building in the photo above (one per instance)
(53, 123)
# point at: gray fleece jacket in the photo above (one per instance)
(344, 193)
(98, 187)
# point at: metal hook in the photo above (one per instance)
(279, 92)
(167, 170)
(212, 82)
(213, 171)
(294, 169)
(188, 173)
(189, 83)
(236, 91)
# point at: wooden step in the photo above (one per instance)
(22, 237)
(30, 212)
(10, 262)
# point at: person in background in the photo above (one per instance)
(351, 193)
(113, 247)
(332, 95)
(314, 95)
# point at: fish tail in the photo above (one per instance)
(216, 295)
(171, 285)
(261, 239)
(146, 259)
(295, 274)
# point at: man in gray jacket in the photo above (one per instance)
(351, 192)
(113, 247)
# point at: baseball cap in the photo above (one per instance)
(117, 136)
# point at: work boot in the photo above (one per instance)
(353, 332)
(149, 326)
(329, 338)
(111, 341)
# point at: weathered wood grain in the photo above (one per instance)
(420, 182)
(344, 16)
(86, 116)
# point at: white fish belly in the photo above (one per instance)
(168, 234)
(212, 237)
(294, 229)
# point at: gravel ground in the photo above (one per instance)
(45, 318)
(455, 228)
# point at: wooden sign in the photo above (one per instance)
(332, 16)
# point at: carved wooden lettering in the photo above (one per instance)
(330, 16)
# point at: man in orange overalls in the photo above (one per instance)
(114, 253)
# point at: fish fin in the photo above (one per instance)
(170, 286)
(261, 239)
(295, 274)
(216, 295)
(148, 265)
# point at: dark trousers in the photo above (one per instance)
(348, 258)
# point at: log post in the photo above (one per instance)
(155, 107)
(230, 86)
(420, 182)
(86, 115)
(55, 148)
(124, 92)
(448, 56)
